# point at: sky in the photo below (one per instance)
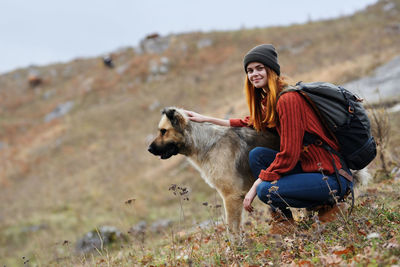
(42, 32)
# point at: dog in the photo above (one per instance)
(219, 153)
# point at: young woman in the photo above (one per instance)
(297, 175)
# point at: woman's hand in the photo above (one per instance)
(248, 199)
(193, 116)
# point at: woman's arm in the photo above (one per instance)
(193, 116)
(248, 199)
(291, 110)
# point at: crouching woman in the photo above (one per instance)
(297, 176)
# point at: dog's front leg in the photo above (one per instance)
(233, 205)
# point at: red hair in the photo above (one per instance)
(262, 117)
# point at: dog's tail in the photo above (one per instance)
(361, 177)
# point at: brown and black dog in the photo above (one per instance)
(219, 153)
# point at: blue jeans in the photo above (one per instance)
(296, 188)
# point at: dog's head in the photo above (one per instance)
(171, 139)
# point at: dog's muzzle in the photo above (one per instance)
(165, 151)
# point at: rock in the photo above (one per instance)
(389, 6)
(164, 65)
(160, 225)
(204, 43)
(395, 108)
(33, 71)
(2, 145)
(34, 228)
(140, 227)
(393, 28)
(138, 50)
(206, 224)
(156, 227)
(159, 67)
(99, 238)
(386, 78)
(155, 45)
(59, 111)
(153, 67)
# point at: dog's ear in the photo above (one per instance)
(176, 119)
(169, 112)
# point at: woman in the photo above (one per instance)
(293, 176)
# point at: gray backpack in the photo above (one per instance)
(344, 117)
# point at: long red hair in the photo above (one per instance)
(262, 117)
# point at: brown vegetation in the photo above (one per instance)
(76, 172)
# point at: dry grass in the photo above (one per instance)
(75, 173)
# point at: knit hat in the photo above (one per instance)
(265, 54)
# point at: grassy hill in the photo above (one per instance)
(61, 178)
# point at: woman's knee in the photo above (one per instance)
(263, 191)
(254, 154)
(261, 156)
(264, 194)
(254, 161)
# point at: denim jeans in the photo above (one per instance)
(296, 188)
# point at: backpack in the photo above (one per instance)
(344, 117)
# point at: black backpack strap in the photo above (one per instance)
(350, 105)
(287, 89)
(310, 139)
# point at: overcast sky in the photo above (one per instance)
(47, 31)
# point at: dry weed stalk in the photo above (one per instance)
(182, 194)
(380, 126)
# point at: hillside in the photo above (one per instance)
(61, 175)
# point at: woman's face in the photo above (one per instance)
(257, 74)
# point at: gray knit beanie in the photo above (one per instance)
(265, 54)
